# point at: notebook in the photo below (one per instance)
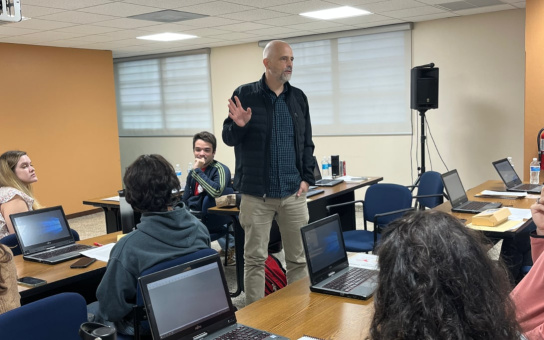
(458, 197)
(328, 265)
(44, 236)
(511, 178)
(191, 301)
(319, 181)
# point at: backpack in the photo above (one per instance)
(274, 275)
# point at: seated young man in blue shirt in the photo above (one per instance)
(209, 178)
(166, 231)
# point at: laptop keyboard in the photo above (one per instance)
(243, 333)
(353, 278)
(61, 251)
(527, 187)
(474, 205)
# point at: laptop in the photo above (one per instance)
(313, 192)
(320, 181)
(191, 301)
(44, 236)
(458, 197)
(328, 266)
(511, 178)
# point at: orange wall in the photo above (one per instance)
(58, 105)
(534, 79)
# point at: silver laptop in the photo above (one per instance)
(328, 264)
(458, 197)
(511, 178)
(191, 301)
(320, 181)
(44, 236)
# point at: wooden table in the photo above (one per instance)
(111, 211)
(62, 278)
(495, 185)
(343, 192)
(294, 311)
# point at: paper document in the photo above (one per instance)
(353, 179)
(362, 260)
(100, 253)
(509, 225)
(501, 194)
(519, 214)
(114, 198)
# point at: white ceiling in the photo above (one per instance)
(103, 24)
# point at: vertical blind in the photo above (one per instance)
(164, 96)
(356, 85)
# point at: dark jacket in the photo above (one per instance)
(252, 142)
(214, 179)
(160, 236)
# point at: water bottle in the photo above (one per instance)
(535, 172)
(325, 166)
(178, 172)
(329, 171)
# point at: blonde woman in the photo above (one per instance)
(16, 177)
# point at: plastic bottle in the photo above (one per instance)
(535, 171)
(329, 173)
(178, 172)
(325, 166)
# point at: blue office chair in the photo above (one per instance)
(383, 204)
(430, 190)
(139, 314)
(52, 318)
(12, 242)
(215, 223)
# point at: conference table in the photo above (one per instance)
(60, 277)
(494, 185)
(340, 193)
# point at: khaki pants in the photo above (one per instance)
(256, 216)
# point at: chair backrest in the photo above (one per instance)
(126, 214)
(12, 242)
(382, 198)
(52, 318)
(430, 183)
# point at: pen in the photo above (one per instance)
(97, 244)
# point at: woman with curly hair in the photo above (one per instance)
(16, 177)
(166, 230)
(436, 281)
(9, 295)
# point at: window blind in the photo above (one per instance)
(163, 96)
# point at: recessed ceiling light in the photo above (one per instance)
(336, 13)
(167, 37)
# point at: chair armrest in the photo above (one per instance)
(328, 207)
(433, 195)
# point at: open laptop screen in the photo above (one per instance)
(454, 187)
(324, 244)
(185, 299)
(317, 173)
(507, 173)
(41, 227)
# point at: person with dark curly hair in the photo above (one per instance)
(436, 281)
(166, 230)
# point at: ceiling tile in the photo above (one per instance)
(243, 27)
(41, 25)
(234, 36)
(262, 4)
(363, 19)
(64, 4)
(116, 8)
(14, 31)
(253, 15)
(211, 22)
(215, 8)
(79, 17)
(392, 5)
(315, 25)
(485, 9)
(432, 16)
(287, 20)
(303, 6)
(30, 11)
(88, 29)
(411, 12)
(52, 35)
(126, 23)
(166, 4)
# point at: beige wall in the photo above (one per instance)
(480, 115)
(58, 105)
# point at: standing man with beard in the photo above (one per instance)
(270, 129)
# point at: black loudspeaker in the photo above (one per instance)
(424, 90)
(335, 166)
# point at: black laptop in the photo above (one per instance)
(44, 236)
(328, 264)
(511, 178)
(320, 181)
(191, 301)
(458, 197)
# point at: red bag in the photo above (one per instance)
(274, 275)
